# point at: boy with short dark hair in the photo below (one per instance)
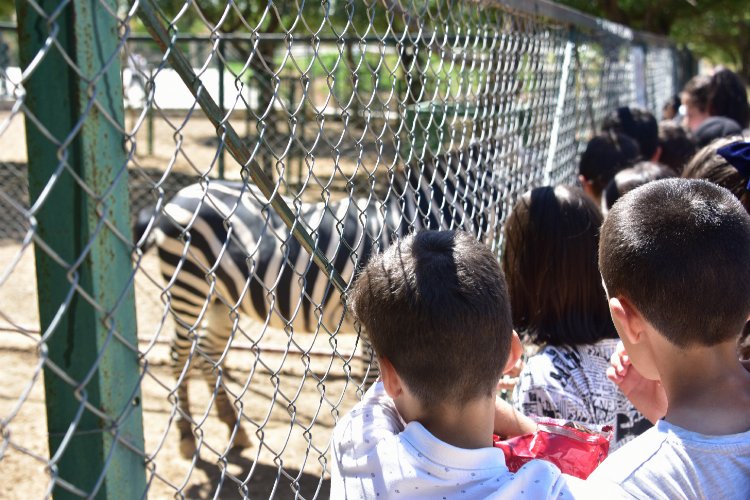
(639, 124)
(435, 307)
(677, 146)
(605, 155)
(674, 261)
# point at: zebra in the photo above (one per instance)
(222, 249)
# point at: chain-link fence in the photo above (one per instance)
(188, 187)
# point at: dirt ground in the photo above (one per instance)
(282, 400)
(290, 407)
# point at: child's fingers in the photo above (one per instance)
(617, 363)
(613, 375)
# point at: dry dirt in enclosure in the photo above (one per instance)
(266, 402)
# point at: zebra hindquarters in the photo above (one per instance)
(195, 298)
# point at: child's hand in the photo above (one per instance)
(507, 383)
(510, 377)
(619, 366)
(647, 396)
(515, 371)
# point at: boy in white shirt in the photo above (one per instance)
(675, 261)
(435, 307)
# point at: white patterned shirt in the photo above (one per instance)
(571, 383)
(377, 456)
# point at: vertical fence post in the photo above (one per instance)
(222, 107)
(149, 115)
(559, 107)
(86, 301)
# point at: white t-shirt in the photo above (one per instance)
(571, 383)
(375, 455)
(670, 462)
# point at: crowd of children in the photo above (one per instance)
(651, 249)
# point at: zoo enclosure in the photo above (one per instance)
(316, 103)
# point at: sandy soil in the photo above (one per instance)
(284, 396)
(282, 400)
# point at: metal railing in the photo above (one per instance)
(307, 137)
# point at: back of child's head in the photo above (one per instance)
(677, 250)
(630, 178)
(605, 155)
(549, 259)
(728, 97)
(636, 123)
(709, 165)
(677, 146)
(696, 92)
(435, 304)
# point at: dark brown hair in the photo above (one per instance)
(630, 178)
(436, 306)
(728, 97)
(708, 165)
(677, 145)
(636, 123)
(697, 90)
(550, 261)
(605, 155)
(677, 249)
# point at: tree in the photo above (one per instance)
(716, 29)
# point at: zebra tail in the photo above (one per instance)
(143, 233)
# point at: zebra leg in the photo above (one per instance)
(184, 360)
(184, 417)
(220, 327)
(229, 416)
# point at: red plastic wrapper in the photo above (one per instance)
(575, 449)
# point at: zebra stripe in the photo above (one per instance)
(226, 233)
(222, 248)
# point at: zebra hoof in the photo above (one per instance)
(241, 440)
(187, 447)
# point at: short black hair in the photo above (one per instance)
(677, 145)
(549, 259)
(435, 304)
(677, 249)
(605, 155)
(637, 123)
(708, 165)
(630, 178)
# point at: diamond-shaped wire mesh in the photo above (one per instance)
(347, 124)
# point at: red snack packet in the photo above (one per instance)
(573, 448)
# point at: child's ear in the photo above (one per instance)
(391, 380)
(627, 319)
(516, 350)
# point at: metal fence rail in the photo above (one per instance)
(188, 188)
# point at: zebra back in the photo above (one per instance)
(222, 241)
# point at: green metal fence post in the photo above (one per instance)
(86, 302)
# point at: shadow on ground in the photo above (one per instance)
(266, 482)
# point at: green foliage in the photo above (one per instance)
(716, 29)
(7, 11)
